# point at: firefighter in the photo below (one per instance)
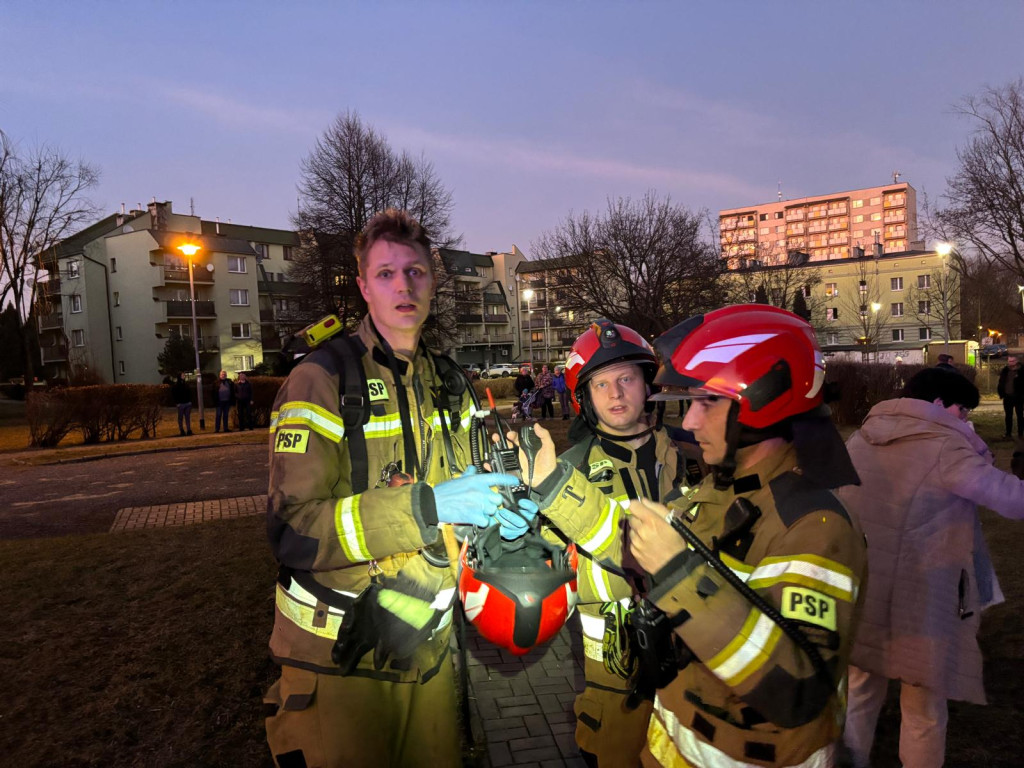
(367, 437)
(757, 600)
(608, 376)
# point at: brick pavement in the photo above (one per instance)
(521, 706)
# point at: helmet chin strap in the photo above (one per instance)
(725, 472)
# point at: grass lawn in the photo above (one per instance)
(149, 648)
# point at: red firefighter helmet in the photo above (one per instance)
(765, 358)
(604, 343)
(517, 594)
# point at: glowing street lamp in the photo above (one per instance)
(190, 250)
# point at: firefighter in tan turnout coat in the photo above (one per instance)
(360, 483)
(762, 636)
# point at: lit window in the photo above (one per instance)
(239, 297)
(896, 283)
(897, 309)
(244, 363)
(537, 336)
(236, 264)
(876, 217)
(858, 203)
(76, 303)
(78, 338)
(897, 334)
(240, 331)
(831, 289)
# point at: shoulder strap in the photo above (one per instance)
(579, 454)
(353, 404)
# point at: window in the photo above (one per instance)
(261, 250)
(805, 291)
(118, 334)
(924, 307)
(239, 297)
(896, 283)
(78, 338)
(897, 334)
(244, 362)
(763, 231)
(537, 336)
(73, 269)
(764, 217)
(76, 303)
(876, 201)
(831, 313)
(236, 264)
(858, 218)
(858, 203)
(120, 367)
(113, 264)
(876, 217)
(858, 233)
(778, 214)
(924, 281)
(779, 229)
(832, 338)
(117, 298)
(287, 249)
(240, 331)
(924, 334)
(862, 286)
(897, 309)
(831, 289)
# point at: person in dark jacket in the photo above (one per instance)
(1011, 392)
(243, 402)
(223, 397)
(182, 394)
(524, 381)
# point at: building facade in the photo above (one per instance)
(825, 227)
(114, 294)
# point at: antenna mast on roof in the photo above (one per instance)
(896, 177)
(780, 190)
(191, 206)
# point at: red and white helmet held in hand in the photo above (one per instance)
(765, 358)
(604, 343)
(517, 594)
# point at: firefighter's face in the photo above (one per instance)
(707, 417)
(398, 284)
(618, 394)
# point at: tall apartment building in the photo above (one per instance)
(115, 292)
(825, 227)
(549, 320)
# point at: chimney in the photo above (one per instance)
(878, 250)
(159, 212)
(217, 225)
(858, 252)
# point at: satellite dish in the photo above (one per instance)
(209, 267)
(127, 228)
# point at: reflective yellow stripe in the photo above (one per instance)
(811, 571)
(319, 419)
(605, 530)
(388, 425)
(593, 626)
(349, 527)
(748, 651)
(597, 577)
(302, 615)
(738, 567)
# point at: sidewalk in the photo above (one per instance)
(521, 706)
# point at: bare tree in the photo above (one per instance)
(934, 301)
(42, 201)
(643, 263)
(351, 174)
(986, 194)
(779, 284)
(866, 311)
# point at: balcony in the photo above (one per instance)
(727, 224)
(895, 217)
(496, 318)
(817, 213)
(183, 309)
(50, 321)
(51, 287)
(209, 344)
(180, 275)
(465, 339)
(835, 224)
(837, 210)
(795, 215)
(55, 353)
(469, 318)
(894, 201)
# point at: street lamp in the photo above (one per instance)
(875, 307)
(943, 250)
(190, 250)
(528, 295)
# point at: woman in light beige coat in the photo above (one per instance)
(923, 472)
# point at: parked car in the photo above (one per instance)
(501, 369)
(993, 351)
(473, 371)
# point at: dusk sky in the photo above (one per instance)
(527, 110)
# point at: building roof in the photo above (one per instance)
(542, 265)
(254, 234)
(798, 260)
(464, 262)
(169, 241)
(76, 242)
(806, 198)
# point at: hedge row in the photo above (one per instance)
(101, 412)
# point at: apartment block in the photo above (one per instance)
(111, 295)
(826, 227)
(549, 320)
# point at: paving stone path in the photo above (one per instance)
(521, 706)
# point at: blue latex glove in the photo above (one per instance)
(515, 524)
(470, 498)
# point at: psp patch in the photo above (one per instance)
(597, 467)
(291, 441)
(801, 604)
(377, 390)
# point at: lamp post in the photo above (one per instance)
(944, 249)
(528, 295)
(191, 249)
(875, 307)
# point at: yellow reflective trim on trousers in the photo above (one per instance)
(317, 418)
(748, 651)
(302, 615)
(597, 577)
(349, 528)
(811, 571)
